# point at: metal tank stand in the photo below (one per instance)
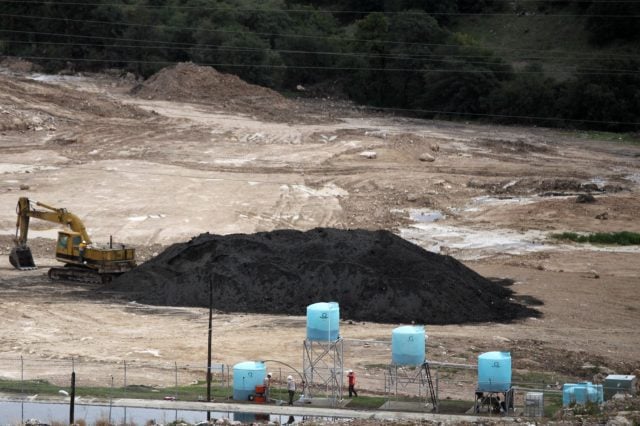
(490, 400)
(432, 392)
(323, 369)
(412, 380)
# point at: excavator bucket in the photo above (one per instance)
(21, 258)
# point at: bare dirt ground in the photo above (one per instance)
(153, 172)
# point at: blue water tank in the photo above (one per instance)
(246, 375)
(323, 321)
(408, 345)
(494, 372)
(581, 393)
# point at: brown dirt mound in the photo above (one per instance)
(188, 82)
(375, 276)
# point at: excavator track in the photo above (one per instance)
(78, 274)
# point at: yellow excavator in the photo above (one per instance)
(84, 260)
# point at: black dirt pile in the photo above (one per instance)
(375, 276)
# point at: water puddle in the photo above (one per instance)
(634, 177)
(489, 201)
(54, 78)
(425, 216)
(24, 168)
(473, 243)
(431, 231)
(50, 413)
(598, 181)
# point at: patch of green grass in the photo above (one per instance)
(624, 238)
(376, 366)
(630, 138)
(552, 404)
(454, 406)
(190, 392)
(537, 378)
(367, 402)
(557, 43)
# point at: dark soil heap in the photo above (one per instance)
(375, 276)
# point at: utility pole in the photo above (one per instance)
(72, 409)
(209, 346)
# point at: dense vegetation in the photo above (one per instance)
(623, 238)
(400, 54)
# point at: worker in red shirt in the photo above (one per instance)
(352, 383)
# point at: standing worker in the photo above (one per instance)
(81, 248)
(352, 383)
(267, 386)
(291, 387)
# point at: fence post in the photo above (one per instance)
(125, 389)
(21, 374)
(110, 399)
(176, 367)
(22, 387)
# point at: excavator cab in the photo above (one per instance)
(68, 245)
(22, 259)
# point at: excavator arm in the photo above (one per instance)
(25, 211)
(21, 257)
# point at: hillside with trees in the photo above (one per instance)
(548, 63)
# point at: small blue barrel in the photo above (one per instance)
(494, 372)
(581, 393)
(323, 322)
(246, 375)
(408, 345)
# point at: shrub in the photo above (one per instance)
(624, 238)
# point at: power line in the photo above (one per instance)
(170, 44)
(285, 35)
(472, 114)
(338, 12)
(175, 28)
(420, 110)
(441, 112)
(523, 117)
(327, 68)
(607, 71)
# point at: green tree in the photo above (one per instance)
(369, 83)
(310, 56)
(249, 57)
(611, 97)
(459, 86)
(415, 36)
(529, 94)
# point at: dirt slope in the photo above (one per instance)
(55, 105)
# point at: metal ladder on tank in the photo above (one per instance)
(432, 392)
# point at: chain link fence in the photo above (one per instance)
(454, 386)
